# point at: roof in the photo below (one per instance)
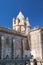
(9, 31)
(37, 28)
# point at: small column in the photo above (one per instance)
(14, 49)
(2, 41)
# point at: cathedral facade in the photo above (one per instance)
(21, 41)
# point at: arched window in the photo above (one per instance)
(7, 56)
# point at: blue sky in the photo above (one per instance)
(31, 8)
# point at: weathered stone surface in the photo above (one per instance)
(21, 40)
(36, 43)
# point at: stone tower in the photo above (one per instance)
(20, 24)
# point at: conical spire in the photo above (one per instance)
(27, 22)
(27, 19)
(20, 16)
(13, 19)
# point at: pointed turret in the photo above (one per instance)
(27, 26)
(13, 19)
(13, 22)
(27, 22)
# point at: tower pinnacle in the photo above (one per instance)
(27, 22)
(20, 16)
(21, 24)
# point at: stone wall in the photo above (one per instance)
(36, 47)
(19, 46)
